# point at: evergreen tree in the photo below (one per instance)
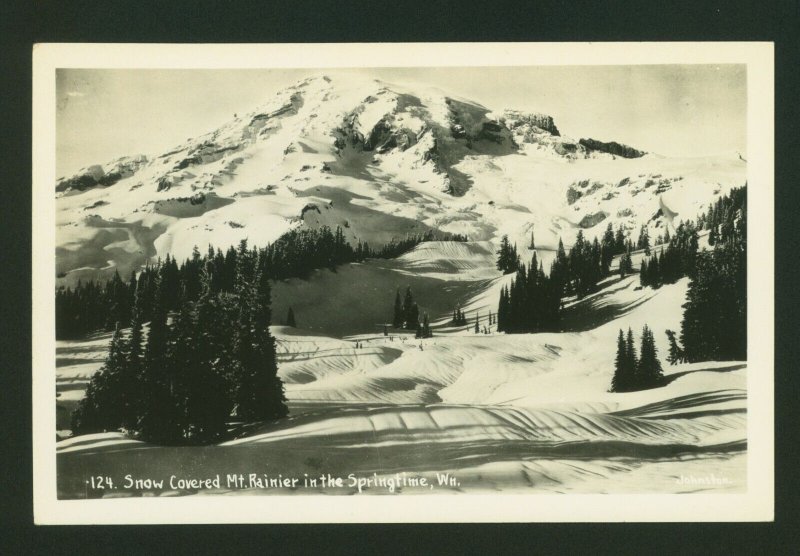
(625, 263)
(158, 413)
(118, 302)
(619, 241)
(714, 325)
(649, 372)
(644, 275)
(99, 411)
(644, 240)
(209, 397)
(409, 321)
(533, 240)
(621, 381)
(477, 323)
(607, 250)
(631, 362)
(675, 353)
(290, 318)
(399, 314)
(413, 316)
(131, 391)
(263, 397)
(502, 310)
(507, 257)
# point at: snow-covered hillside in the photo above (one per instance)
(381, 161)
(511, 413)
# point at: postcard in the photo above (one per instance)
(434, 282)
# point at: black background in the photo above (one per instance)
(24, 22)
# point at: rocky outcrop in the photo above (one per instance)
(591, 220)
(573, 195)
(564, 148)
(190, 207)
(612, 147)
(347, 134)
(492, 131)
(205, 153)
(96, 175)
(516, 120)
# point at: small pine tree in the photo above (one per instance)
(644, 276)
(620, 382)
(477, 323)
(631, 362)
(675, 352)
(290, 319)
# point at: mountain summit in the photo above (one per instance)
(381, 161)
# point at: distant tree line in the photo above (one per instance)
(93, 306)
(211, 361)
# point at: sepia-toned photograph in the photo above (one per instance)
(404, 284)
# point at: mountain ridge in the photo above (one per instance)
(373, 155)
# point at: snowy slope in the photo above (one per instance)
(383, 161)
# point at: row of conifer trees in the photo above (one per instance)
(92, 306)
(407, 315)
(192, 371)
(714, 323)
(532, 302)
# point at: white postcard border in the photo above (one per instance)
(757, 504)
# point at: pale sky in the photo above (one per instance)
(674, 110)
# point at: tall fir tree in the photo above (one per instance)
(649, 371)
(631, 361)
(159, 413)
(98, 410)
(675, 352)
(409, 321)
(621, 380)
(399, 316)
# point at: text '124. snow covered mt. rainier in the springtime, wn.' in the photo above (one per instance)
(435, 273)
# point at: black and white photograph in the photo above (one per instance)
(489, 284)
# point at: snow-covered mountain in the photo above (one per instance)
(381, 161)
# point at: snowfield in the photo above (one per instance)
(528, 412)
